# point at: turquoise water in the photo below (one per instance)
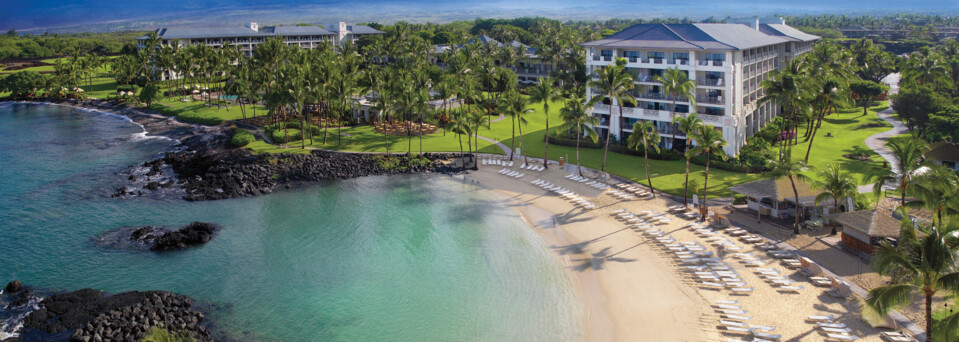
(412, 258)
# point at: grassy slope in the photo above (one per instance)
(848, 137)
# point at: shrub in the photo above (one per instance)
(149, 94)
(663, 154)
(242, 137)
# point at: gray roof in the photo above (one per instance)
(875, 223)
(242, 31)
(354, 29)
(688, 36)
(786, 31)
(207, 32)
(778, 189)
(296, 30)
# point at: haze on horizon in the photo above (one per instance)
(97, 15)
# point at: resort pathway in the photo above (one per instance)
(877, 142)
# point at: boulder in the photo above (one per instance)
(13, 287)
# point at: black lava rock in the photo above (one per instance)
(14, 287)
(193, 234)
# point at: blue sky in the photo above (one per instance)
(27, 14)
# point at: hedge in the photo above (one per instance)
(242, 137)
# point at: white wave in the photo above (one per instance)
(135, 136)
(10, 327)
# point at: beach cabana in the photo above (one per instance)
(863, 230)
(775, 198)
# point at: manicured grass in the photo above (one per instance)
(366, 139)
(848, 130)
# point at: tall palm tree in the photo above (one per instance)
(785, 89)
(676, 83)
(688, 125)
(792, 170)
(708, 141)
(460, 125)
(925, 266)
(615, 83)
(835, 184)
(516, 105)
(937, 190)
(545, 92)
(908, 155)
(830, 95)
(645, 136)
(580, 122)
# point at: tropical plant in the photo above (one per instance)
(908, 155)
(645, 136)
(688, 125)
(836, 185)
(792, 170)
(545, 92)
(708, 141)
(677, 84)
(936, 189)
(785, 89)
(580, 122)
(614, 83)
(515, 105)
(924, 266)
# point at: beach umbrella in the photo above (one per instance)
(196, 91)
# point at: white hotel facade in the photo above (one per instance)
(727, 62)
(249, 36)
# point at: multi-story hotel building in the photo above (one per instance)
(248, 37)
(727, 62)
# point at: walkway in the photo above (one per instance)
(877, 142)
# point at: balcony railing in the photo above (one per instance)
(716, 100)
(710, 82)
(709, 62)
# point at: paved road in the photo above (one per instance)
(877, 142)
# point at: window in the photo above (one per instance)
(681, 108)
(606, 53)
(681, 55)
(715, 57)
(659, 55)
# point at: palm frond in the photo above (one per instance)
(883, 299)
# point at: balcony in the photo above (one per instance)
(680, 61)
(710, 82)
(711, 100)
(657, 60)
(710, 62)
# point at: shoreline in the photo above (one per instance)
(619, 300)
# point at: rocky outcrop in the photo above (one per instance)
(211, 174)
(193, 234)
(92, 315)
(13, 286)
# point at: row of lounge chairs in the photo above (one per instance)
(732, 320)
(500, 162)
(532, 167)
(621, 195)
(587, 181)
(833, 331)
(566, 194)
(633, 189)
(510, 173)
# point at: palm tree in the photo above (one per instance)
(676, 83)
(835, 184)
(908, 155)
(927, 266)
(688, 125)
(792, 170)
(785, 89)
(708, 141)
(515, 105)
(544, 92)
(579, 121)
(829, 96)
(936, 189)
(614, 83)
(645, 136)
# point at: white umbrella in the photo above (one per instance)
(196, 91)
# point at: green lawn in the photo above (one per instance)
(365, 139)
(848, 130)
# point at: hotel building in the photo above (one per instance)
(529, 68)
(248, 37)
(727, 62)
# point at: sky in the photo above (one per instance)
(97, 15)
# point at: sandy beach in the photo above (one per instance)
(636, 291)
